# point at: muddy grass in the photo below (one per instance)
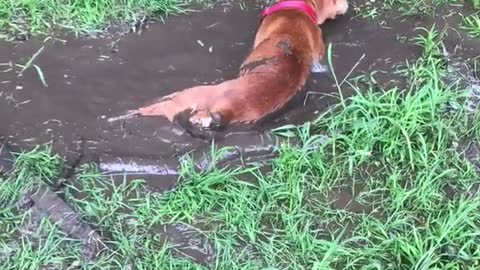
(364, 193)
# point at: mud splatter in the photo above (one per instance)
(247, 67)
(286, 47)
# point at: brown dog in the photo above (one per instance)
(288, 45)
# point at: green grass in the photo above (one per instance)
(471, 25)
(78, 16)
(476, 4)
(44, 245)
(414, 204)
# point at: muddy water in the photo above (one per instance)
(90, 80)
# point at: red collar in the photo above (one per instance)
(298, 5)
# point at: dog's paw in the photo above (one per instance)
(317, 67)
(206, 121)
(192, 123)
(202, 120)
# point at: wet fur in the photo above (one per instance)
(286, 45)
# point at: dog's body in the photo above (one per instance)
(287, 46)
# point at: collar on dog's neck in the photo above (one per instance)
(297, 5)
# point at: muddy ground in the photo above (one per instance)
(90, 80)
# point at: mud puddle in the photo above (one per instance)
(90, 80)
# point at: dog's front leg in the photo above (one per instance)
(318, 54)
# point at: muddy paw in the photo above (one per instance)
(206, 120)
(184, 120)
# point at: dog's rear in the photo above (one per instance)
(265, 83)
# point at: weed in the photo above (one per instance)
(471, 24)
(368, 10)
(30, 166)
(48, 248)
(22, 244)
(37, 68)
(476, 4)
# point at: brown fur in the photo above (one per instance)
(286, 45)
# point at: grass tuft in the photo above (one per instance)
(31, 166)
(471, 24)
(22, 17)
